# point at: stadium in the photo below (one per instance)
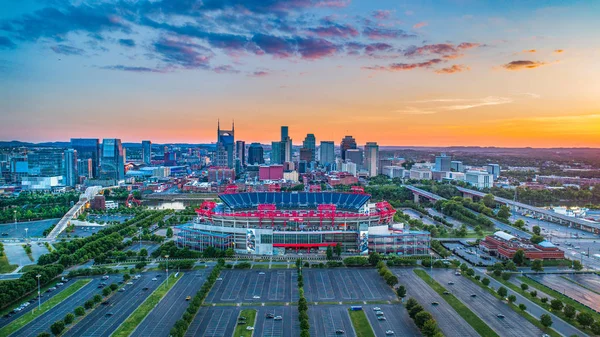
(275, 223)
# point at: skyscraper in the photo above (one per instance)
(494, 169)
(240, 151)
(310, 143)
(255, 154)
(286, 150)
(88, 148)
(457, 166)
(327, 152)
(305, 155)
(276, 153)
(146, 151)
(71, 171)
(284, 133)
(112, 165)
(347, 143)
(46, 163)
(442, 163)
(372, 158)
(84, 168)
(355, 156)
(225, 146)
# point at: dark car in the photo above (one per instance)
(269, 315)
(106, 303)
(108, 314)
(145, 288)
(473, 295)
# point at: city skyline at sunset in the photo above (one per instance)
(405, 73)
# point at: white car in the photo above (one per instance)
(389, 332)
(154, 279)
(129, 283)
(261, 273)
(278, 318)
(377, 309)
(220, 279)
(256, 297)
(250, 328)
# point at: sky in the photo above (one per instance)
(414, 73)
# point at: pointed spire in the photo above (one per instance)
(232, 125)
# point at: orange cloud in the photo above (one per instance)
(521, 65)
(558, 51)
(420, 25)
(455, 68)
(530, 51)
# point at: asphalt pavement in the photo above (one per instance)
(121, 305)
(567, 286)
(34, 228)
(15, 253)
(161, 319)
(214, 322)
(255, 285)
(345, 284)
(397, 320)
(288, 326)
(324, 320)
(449, 321)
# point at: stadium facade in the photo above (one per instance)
(268, 223)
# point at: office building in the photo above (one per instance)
(420, 173)
(479, 179)
(112, 164)
(19, 168)
(372, 158)
(349, 167)
(310, 143)
(272, 172)
(71, 171)
(146, 151)
(286, 150)
(276, 153)
(442, 163)
(327, 153)
(457, 166)
(306, 155)
(240, 151)
(494, 169)
(225, 154)
(88, 148)
(284, 133)
(84, 167)
(46, 163)
(347, 143)
(218, 174)
(355, 156)
(393, 171)
(255, 154)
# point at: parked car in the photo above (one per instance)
(278, 318)
(188, 298)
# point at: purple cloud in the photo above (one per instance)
(226, 69)
(184, 54)
(316, 48)
(335, 30)
(132, 69)
(406, 66)
(259, 73)
(377, 33)
(381, 14)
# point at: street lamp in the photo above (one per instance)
(26, 229)
(39, 298)
(15, 213)
(167, 257)
(140, 231)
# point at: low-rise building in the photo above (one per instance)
(504, 246)
(420, 173)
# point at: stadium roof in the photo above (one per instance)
(295, 200)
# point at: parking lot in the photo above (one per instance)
(34, 228)
(43, 322)
(288, 326)
(257, 286)
(82, 231)
(345, 284)
(418, 216)
(122, 304)
(565, 284)
(472, 254)
(162, 318)
(326, 319)
(397, 320)
(486, 306)
(150, 247)
(449, 321)
(214, 322)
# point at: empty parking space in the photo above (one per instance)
(396, 320)
(214, 322)
(569, 285)
(34, 228)
(287, 326)
(43, 322)
(159, 321)
(325, 320)
(105, 319)
(258, 286)
(345, 284)
(486, 306)
(449, 321)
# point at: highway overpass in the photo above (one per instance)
(419, 193)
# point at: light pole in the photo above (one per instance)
(15, 213)
(140, 231)
(167, 257)
(39, 298)
(26, 229)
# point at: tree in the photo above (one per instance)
(488, 201)
(338, 249)
(464, 267)
(506, 276)
(79, 311)
(585, 319)
(524, 286)
(595, 328)
(391, 279)
(97, 298)
(169, 232)
(69, 318)
(401, 291)
(536, 230)
(533, 293)
(502, 292)
(430, 328)
(523, 307)
(143, 252)
(57, 327)
(485, 281)
(504, 212)
(512, 298)
(329, 253)
(422, 317)
(411, 303)
(577, 265)
(535, 239)
(126, 277)
(537, 265)
(519, 223)
(106, 291)
(544, 299)
(569, 311)
(415, 310)
(556, 305)
(374, 258)
(88, 304)
(546, 320)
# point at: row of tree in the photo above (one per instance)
(12, 290)
(423, 319)
(302, 303)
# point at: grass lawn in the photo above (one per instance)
(279, 266)
(51, 303)
(260, 266)
(126, 328)
(202, 266)
(240, 330)
(479, 325)
(5, 267)
(28, 251)
(516, 309)
(361, 323)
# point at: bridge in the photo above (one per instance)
(75, 211)
(544, 214)
(418, 193)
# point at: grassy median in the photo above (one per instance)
(361, 323)
(479, 325)
(240, 330)
(49, 304)
(126, 328)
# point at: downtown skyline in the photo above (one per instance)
(398, 73)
